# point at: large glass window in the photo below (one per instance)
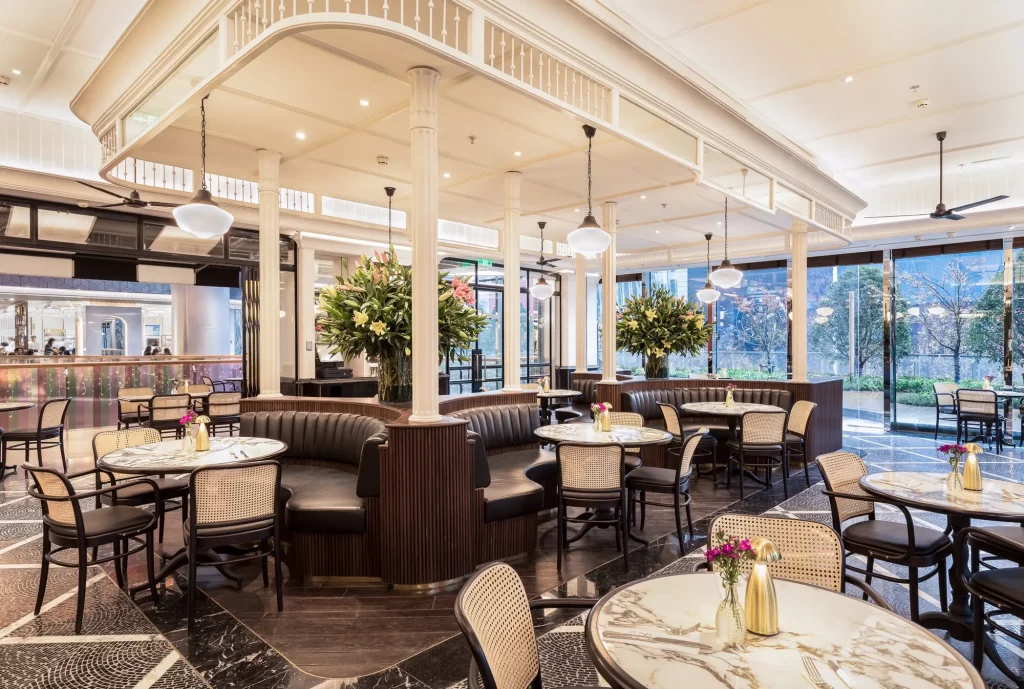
(951, 305)
(78, 228)
(751, 327)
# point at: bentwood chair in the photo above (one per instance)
(761, 445)
(174, 492)
(496, 618)
(196, 391)
(1001, 588)
(628, 418)
(224, 409)
(674, 482)
(707, 449)
(215, 385)
(67, 528)
(236, 505)
(592, 477)
(48, 433)
(980, 407)
(129, 413)
(796, 434)
(165, 412)
(945, 403)
(812, 553)
(897, 542)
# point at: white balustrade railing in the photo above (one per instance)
(444, 21)
(524, 62)
(108, 143)
(147, 173)
(828, 218)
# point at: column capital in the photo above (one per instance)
(423, 103)
(609, 217)
(799, 226)
(513, 184)
(269, 170)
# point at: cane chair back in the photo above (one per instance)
(238, 493)
(811, 551)
(945, 394)
(166, 408)
(764, 427)
(671, 417)
(223, 404)
(494, 613)
(199, 389)
(53, 413)
(105, 442)
(127, 407)
(689, 448)
(842, 472)
(590, 467)
(799, 416)
(53, 484)
(627, 418)
(207, 380)
(977, 402)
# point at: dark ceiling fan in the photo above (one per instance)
(941, 212)
(544, 262)
(131, 201)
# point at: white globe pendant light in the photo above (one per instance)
(725, 275)
(589, 239)
(708, 295)
(201, 216)
(541, 290)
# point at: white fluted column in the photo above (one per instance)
(305, 288)
(270, 273)
(799, 322)
(510, 249)
(581, 313)
(609, 217)
(423, 82)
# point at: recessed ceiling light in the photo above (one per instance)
(719, 222)
(363, 102)
(657, 232)
(517, 154)
(16, 72)
(1013, 227)
(848, 79)
(577, 210)
(301, 136)
(447, 175)
(643, 196)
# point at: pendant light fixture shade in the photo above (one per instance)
(201, 216)
(708, 294)
(541, 290)
(725, 275)
(589, 239)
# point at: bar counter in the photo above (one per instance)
(93, 382)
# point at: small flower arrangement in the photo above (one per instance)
(726, 553)
(188, 419)
(600, 408)
(990, 378)
(730, 387)
(954, 453)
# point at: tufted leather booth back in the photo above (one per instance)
(646, 401)
(589, 390)
(325, 438)
(503, 425)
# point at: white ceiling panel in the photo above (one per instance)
(40, 19)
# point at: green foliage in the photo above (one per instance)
(750, 374)
(660, 324)
(914, 384)
(370, 311)
(865, 383)
(916, 399)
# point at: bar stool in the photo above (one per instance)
(49, 433)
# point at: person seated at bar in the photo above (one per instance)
(48, 347)
(167, 351)
(148, 351)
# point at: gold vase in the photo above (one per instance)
(606, 422)
(762, 605)
(972, 468)
(202, 438)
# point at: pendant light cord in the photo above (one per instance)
(590, 147)
(726, 228)
(389, 222)
(202, 137)
(709, 255)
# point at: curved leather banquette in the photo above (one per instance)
(331, 465)
(646, 402)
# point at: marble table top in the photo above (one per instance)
(169, 457)
(719, 408)
(1009, 394)
(631, 436)
(559, 393)
(876, 648)
(146, 398)
(15, 406)
(998, 499)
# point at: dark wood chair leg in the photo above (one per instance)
(278, 579)
(689, 519)
(643, 509)
(265, 547)
(785, 472)
(942, 586)
(83, 567)
(63, 456)
(150, 570)
(915, 599)
(193, 584)
(679, 523)
(978, 608)
(624, 526)
(44, 571)
(558, 527)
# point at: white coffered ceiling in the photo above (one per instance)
(789, 61)
(56, 45)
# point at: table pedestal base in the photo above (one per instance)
(179, 558)
(958, 621)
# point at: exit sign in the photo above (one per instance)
(486, 263)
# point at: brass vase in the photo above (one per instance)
(972, 468)
(762, 605)
(606, 422)
(202, 435)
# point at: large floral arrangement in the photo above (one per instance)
(660, 324)
(370, 312)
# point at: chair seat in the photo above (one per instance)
(753, 449)
(652, 477)
(217, 532)
(321, 500)
(794, 439)
(1006, 584)
(107, 520)
(878, 535)
(32, 434)
(142, 493)
(1010, 533)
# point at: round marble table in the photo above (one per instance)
(998, 501)
(167, 457)
(545, 397)
(732, 416)
(658, 633)
(630, 436)
(15, 406)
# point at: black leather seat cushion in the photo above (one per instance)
(322, 500)
(1010, 533)
(218, 532)
(1007, 583)
(754, 449)
(34, 433)
(511, 492)
(884, 536)
(655, 477)
(107, 520)
(793, 438)
(142, 493)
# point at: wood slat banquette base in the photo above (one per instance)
(337, 554)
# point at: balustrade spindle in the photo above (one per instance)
(492, 45)
(310, 7)
(295, 8)
(512, 57)
(503, 51)
(444, 21)
(558, 78)
(588, 95)
(522, 61)
(531, 65)
(256, 16)
(265, 14)
(430, 17)
(401, 12)
(248, 24)
(457, 28)
(236, 32)
(417, 17)
(385, 8)
(280, 11)
(366, 7)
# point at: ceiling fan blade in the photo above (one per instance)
(162, 204)
(949, 215)
(978, 203)
(905, 215)
(116, 196)
(111, 205)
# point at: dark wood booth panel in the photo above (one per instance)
(324, 555)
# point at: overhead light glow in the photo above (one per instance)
(643, 197)
(301, 136)
(821, 320)
(848, 79)
(16, 72)
(363, 102)
(825, 311)
(541, 290)
(657, 232)
(517, 154)
(447, 175)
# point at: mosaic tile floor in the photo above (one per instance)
(135, 644)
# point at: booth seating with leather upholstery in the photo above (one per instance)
(330, 488)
